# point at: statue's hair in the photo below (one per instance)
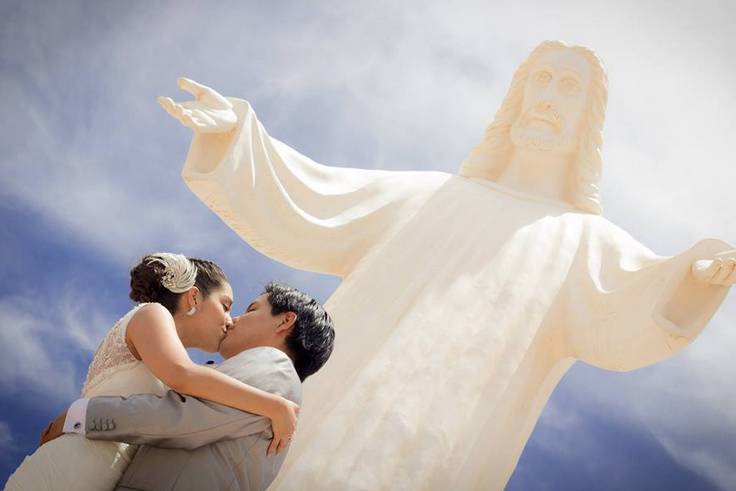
(488, 159)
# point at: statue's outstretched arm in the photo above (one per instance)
(629, 307)
(297, 211)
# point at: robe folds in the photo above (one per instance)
(462, 305)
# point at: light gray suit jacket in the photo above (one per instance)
(192, 444)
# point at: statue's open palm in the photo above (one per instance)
(209, 112)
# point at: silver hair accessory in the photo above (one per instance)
(179, 272)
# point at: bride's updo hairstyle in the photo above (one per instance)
(163, 277)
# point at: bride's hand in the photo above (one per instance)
(44, 433)
(209, 112)
(283, 423)
(54, 429)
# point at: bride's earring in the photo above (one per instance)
(193, 310)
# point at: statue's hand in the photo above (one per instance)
(209, 112)
(721, 270)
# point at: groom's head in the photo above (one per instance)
(287, 319)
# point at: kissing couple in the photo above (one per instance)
(200, 427)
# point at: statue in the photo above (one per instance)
(465, 298)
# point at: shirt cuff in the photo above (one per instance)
(76, 416)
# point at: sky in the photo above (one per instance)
(90, 181)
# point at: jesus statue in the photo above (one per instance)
(464, 298)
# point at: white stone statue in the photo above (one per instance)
(465, 298)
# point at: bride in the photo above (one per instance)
(182, 303)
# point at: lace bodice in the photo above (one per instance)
(112, 354)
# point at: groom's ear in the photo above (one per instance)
(287, 322)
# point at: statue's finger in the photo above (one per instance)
(216, 100)
(205, 94)
(707, 267)
(729, 266)
(165, 101)
(730, 279)
(177, 111)
(181, 111)
(189, 85)
(198, 123)
(189, 122)
(722, 272)
(169, 106)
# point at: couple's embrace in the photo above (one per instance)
(201, 427)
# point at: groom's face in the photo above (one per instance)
(256, 327)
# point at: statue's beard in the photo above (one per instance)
(524, 135)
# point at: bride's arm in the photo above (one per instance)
(153, 335)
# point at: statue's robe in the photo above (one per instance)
(462, 305)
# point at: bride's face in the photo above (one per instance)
(213, 318)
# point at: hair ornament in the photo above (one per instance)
(179, 272)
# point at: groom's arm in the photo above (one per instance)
(178, 421)
(169, 421)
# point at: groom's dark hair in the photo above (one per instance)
(313, 335)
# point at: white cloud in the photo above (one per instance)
(40, 342)
(718, 467)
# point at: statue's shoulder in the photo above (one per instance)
(602, 230)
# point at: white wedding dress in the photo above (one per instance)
(73, 462)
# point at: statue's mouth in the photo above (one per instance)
(545, 121)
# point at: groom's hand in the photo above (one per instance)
(54, 429)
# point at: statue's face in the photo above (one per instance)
(555, 98)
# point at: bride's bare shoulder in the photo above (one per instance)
(150, 316)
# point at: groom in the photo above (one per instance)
(197, 444)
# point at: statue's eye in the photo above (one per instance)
(570, 86)
(543, 77)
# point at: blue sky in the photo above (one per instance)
(91, 164)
